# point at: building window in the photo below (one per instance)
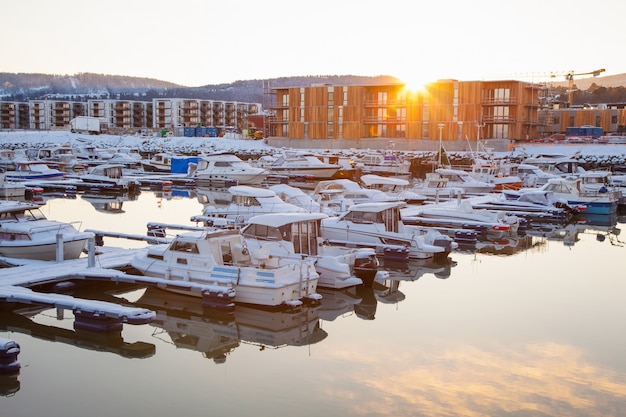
(401, 131)
(331, 130)
(500, 131)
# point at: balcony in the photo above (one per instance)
(499, 119)
(499, 101)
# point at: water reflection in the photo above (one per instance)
(480, 335)
(22, 321)
(604, 227)
(189, 325)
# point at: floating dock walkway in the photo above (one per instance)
(93, 314)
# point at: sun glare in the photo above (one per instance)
(414, 84)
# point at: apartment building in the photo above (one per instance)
(125, 116)
(453, 109)
(224, 115)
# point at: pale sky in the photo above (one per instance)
(200, 42)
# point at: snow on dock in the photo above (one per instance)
(15, 280)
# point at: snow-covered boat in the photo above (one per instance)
(380, 226)
(26, 233)
(226, 167)
(386, 163)
(352, 191)
(459, 215)
(462, 179)
(61, 157)
(159, 162)
(300, 164)
(33, 170)
(245, 201)
(533, 176)
(297, 197)
(395, 188)
(288, 236)
(597, 201)
(539, 206)
(222, 259)
(112, 177)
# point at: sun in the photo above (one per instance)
(414, 83)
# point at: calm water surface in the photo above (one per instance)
(535, 330)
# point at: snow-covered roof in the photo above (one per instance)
(281, 219)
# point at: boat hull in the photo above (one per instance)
(72, 249)
(239, 178)
(320, 173)
(596, 207)
(266, 287)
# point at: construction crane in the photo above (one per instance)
(570, 81)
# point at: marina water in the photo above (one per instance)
(530, 327)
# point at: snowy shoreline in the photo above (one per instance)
(592, 154)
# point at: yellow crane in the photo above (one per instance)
(570, 81)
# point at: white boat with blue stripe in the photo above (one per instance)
(220, 258)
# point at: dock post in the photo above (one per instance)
(59, 247)
(91, 252)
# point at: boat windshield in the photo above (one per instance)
(263, 232)
(21, 215)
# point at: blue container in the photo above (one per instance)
(211, 132)
(189, 132)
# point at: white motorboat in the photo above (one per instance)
(159, 162)
(221, 258)
(26, 233)
(538, 206)
(111, 176)
(380, 226)
(385, 163)
(558, 165)
(90, 155)
(11, 189)
(436, 187)
(300, 164)
(394, 187)
(595, 200)
(245, 202)
(461, 179)
(460, 215)
(33, 170)
(7, 159)
(351, 191)
(296, 235)
(61, 157)
(226, 167)
(503, 175)
(297, 197)
(533, 176)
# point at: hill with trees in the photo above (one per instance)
(85, 86)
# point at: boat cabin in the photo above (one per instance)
(300, 229)
(387, 214)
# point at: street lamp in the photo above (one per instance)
(441, 126)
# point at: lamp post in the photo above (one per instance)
(441, 126)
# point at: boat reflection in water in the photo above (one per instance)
(216, 334)
(604, 227)
(363, 300)
(417, 268)
(23, 321)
